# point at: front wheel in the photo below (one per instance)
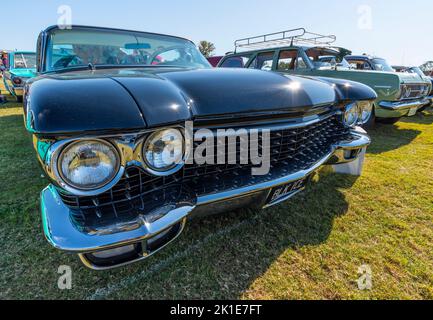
(389, 120)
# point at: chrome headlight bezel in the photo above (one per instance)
(353, 108)
(64, 183)
(172, 168)
(366, 109)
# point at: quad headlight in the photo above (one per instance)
(358, 113)
(365, 110)
(351, 115)
(163, 151)
(89, 164)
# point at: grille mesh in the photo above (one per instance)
(416, 91)
(138, 192)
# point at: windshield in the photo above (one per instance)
(382, 65)
(417, 71)
(80, 47)
(331, 62)
(24, 60)
(327, 58)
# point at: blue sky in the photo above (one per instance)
(391, 29)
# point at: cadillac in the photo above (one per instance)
(108, 113)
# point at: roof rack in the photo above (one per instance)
(294, 36)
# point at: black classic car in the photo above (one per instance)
(116, 116)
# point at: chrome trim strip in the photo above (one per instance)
(383, 87)
(296, 124)
(61, 232)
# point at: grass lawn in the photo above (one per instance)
(308, 248)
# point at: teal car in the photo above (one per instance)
(21, 67)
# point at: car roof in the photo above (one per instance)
(305, 48)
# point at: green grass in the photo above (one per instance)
(308, 248)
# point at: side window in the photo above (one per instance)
(235, 62)
(360, 65)
(263, 61)
(289, 60)
(367, 66)
(300, 63)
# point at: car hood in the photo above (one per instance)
(403, 77)
(23, 73)
(131, 99)
(408, 78)
(220, 92)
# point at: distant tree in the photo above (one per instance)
(206, 48)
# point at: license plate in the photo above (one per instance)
(284, 192)
(412, 111)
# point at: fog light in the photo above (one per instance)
(108, 254)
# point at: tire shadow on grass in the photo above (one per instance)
(425, 117)
(387, 138)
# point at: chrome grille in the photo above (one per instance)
(291, 150)
(415, 91)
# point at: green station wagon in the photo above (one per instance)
(309, 54)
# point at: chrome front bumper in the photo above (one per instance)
(63, 234)
(401, 108)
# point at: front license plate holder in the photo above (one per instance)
(284, 192)
(412, 111)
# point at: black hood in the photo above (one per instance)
(219, 92)
(131, 99)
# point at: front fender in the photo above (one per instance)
(350, 90)
(71, 107)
